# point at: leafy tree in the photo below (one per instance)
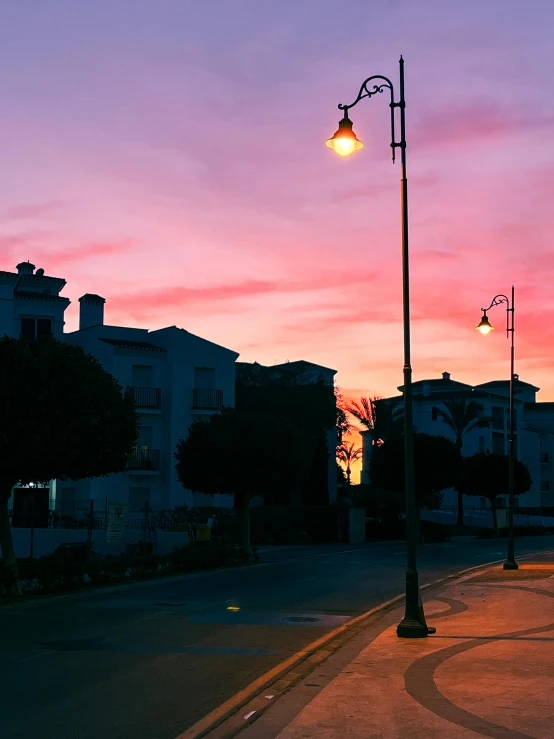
(244, 454)
(462, 416)
(436, 467)
(303, 398)
(341, 475)
(61, 416)
(346, 454)
(382, 418)
(487, 475)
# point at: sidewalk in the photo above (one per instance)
(489, 670)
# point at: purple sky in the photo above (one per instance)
(169, 155)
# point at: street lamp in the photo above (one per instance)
(484, 327)
(345, 142)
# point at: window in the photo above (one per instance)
(142, 375)
(28, 328)
(497, 417)
(545, 458)
(146, 437)
(44, 326)
(138, 497)
(31, 328)
(480, 409)
(498, 444)
(204, 378)
(434, 414)
(481, 444)
(545, 484)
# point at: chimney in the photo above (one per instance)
(91, 312)
(446, 376)
(25, 268)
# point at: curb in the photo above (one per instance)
(310, 656)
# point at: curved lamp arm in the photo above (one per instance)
(499, 300)
(366, 91)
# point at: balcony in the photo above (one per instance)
(147, 397)
(204, 399)
(144, 458)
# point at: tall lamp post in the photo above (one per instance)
(345, 142)
(484, 327)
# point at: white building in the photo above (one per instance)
(534, 430)
(176, 378)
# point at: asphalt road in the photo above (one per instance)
(147, 661)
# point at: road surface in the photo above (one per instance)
(147, 661)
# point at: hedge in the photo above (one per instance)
(58, 572)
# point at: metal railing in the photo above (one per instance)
(207, 399)
(147, 397)
(144, 459)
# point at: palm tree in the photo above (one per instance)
(382, 418)
(344, 428)
(462, 416)
(347, 454)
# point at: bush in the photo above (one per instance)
(59, 572)
(385, 530)
(485, 533)
(430, 531)
(294, 525)
(433, 532)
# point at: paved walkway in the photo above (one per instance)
(488, 671)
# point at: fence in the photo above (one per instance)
(76, 514)
(35, 543)
(86, 521)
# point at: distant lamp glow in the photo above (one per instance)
(233, 608)
(484, 327)
(344, 141)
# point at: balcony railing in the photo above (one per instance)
(207, 399)
(147, 397)
(144, 459)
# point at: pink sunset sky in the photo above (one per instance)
(170, 156)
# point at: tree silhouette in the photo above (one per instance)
(487, 475)
(436, 462)
(61, 416)
(382, 418)
(347, 455)
(243, 454)
(462, 416)
(344, 427)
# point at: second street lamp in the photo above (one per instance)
(484, 327)
(345, 142)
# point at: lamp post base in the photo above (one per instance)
(510, 564)
(408, 629)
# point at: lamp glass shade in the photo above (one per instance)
(484, 326)
(344, 141)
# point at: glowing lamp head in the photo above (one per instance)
(344, 141)
(484, 327)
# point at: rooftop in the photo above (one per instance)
(126, 344)
(31, 295)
